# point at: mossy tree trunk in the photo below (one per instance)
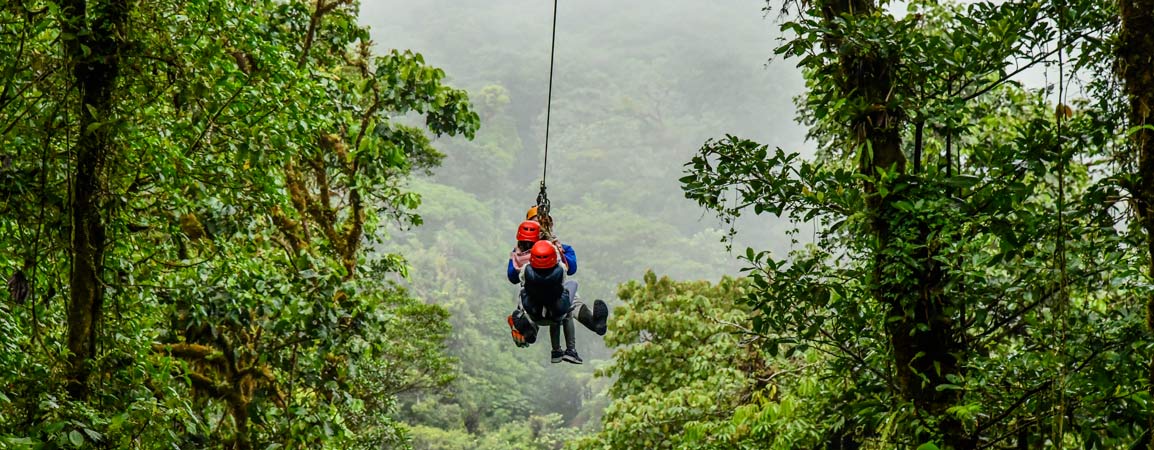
(92, 38)
(1136, 67)
(921, 326)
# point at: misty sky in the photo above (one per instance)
(737, 31)
(630, 49)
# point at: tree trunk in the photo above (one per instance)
(1136, 67)
(92, 45)
(920, 327)
(239, 407)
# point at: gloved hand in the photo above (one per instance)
(523, 330)
(518, 338)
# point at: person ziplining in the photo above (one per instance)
(548, 297)
(540, 263)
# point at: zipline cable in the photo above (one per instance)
(542, 197)
(549, 96)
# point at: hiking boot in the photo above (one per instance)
(571, 357)
(556, 356)
(600, 317)
(585, 317)
(596, 319)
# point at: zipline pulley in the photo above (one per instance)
(543, 211)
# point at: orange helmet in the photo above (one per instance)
(529, 230)
(543, 255)
(531, 214)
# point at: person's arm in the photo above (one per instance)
(570, 259)
(512, 273)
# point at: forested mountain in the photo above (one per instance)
(636, 89)
(286, 224)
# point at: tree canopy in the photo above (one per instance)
(263, 225)
(189, 190)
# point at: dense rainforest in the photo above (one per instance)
(831, 224)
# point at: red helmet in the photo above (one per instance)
(529, 230)
(543, 255)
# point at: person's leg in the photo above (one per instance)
(570, 355)
(594, 319)
(600, 317)
(571, 288)
(570, 334)
(555, 337)
(575, 304)
(569, 303)
(554, 333)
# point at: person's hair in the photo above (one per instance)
(524, 245)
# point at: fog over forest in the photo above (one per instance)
(300, 224)
(638, 88)
(702, 69)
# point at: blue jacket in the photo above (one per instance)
(567, 252)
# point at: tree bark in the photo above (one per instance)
(1136, 67)
(920, 327)
(92, 41)
(239, 406)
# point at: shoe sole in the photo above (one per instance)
(600, 316)
(571, 360)
(555, 360)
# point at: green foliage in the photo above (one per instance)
(998, 257)
(623, 116)
(680, 368)
(533, 433)
(254, 156)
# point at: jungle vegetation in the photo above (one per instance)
(272, 224)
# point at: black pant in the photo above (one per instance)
(556, 316)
